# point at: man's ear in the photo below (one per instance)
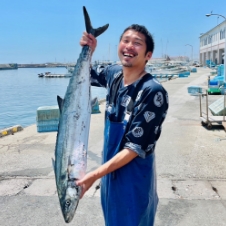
(148, 55)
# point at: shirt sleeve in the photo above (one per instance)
(102, 75)
(146, 121)
(98, 76)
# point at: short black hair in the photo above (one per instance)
(143, 30)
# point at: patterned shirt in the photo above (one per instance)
(145, 100)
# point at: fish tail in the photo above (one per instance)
(94, 31)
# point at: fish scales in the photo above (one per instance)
(76, 114)
(73, 130)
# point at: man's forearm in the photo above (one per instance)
(119, 160)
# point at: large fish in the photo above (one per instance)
(73, 131)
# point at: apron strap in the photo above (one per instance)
(112, 94)
(115, 88)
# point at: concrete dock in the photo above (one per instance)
(191, 169)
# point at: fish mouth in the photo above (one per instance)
(69, 202)
(68, 219)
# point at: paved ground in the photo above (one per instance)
(190, 166)
(191, 160)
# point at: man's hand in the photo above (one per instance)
(119, 160)
(86, 182)
(88, 39)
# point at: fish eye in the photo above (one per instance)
(68, 202)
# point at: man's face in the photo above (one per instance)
(132, 49)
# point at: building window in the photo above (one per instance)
(222, 34)
(209, 39)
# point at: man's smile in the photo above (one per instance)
(130, 55)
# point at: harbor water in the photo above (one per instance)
(22, 92)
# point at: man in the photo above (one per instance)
(136, 106)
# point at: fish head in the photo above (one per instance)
(69, 201)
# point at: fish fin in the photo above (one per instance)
(94, 101)
(60, 102)
(53, 164)
(96, 32)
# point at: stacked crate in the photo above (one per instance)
(220, 70)
(184, 74)
(194, 90)
(47, 118)
(194, 69)
(217, 107)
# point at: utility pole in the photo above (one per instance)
(191, 51)
(109, 53)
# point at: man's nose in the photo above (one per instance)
(130, 45)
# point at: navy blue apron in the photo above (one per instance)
(128, 195)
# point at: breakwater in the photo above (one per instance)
(44, 65)
(8, 66)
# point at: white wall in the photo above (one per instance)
(213, 48)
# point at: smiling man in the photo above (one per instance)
(136, 106)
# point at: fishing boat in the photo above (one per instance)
(50, 75)
(168, 69)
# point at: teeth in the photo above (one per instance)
(127, 54)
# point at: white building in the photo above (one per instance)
(212, 44)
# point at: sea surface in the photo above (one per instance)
(22, 92)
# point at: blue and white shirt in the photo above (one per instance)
(145, 100)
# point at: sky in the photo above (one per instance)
(49, 30)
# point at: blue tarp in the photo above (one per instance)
(220, 70)
(219, 79)
(210, 63)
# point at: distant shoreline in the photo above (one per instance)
(15, 66)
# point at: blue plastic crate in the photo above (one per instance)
(214, 84)
(220, 70)
(49, 122)
(46, 113)
(183, 75)
(194, 69)
(95, 106)
(95, 109)
(48, 116)
(194, 90)
(47, 128)
(47, 119)
(217, 107)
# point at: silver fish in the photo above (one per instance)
(73, 130)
